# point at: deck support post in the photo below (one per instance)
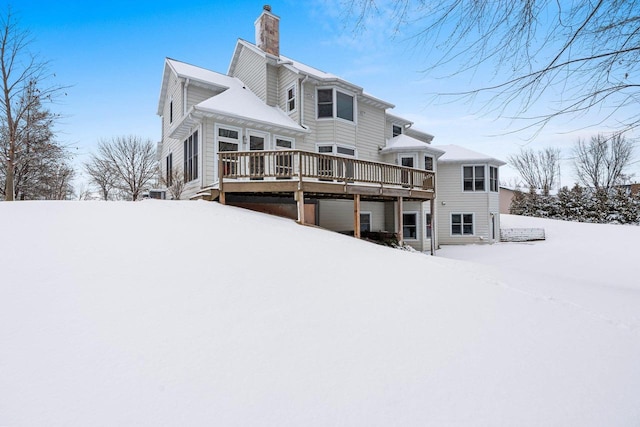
(221, 197)
(432, 210)
(299, 197)
(400, 224)
(356, 216)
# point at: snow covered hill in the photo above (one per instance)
(191, 313)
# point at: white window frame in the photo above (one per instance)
(433, 162)
(368, 213)
(474, 166)
(492, 181)
(393, 125)
(196, 153)
(462, 223)
(412, 156)
(417, 225)
(218, 138)
(426, 225)
(288, 100)
(283, 138)
(334, 97)
(334, 149)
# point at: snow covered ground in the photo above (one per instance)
(191, 313)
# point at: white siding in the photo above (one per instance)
(197, 94)
(286, 79)
(370, 132)
(272, 86)
(337, 215)
(451, 199)
(252, 70)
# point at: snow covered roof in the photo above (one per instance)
(406, 143)
(239, 102)
(234, 101)
(456, 154)
(306, 70)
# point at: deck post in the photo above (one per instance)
(299, 196)
(433, 230)
(356, 216)
(221, 197)
(400, 224)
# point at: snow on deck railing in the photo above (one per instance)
(521, 234)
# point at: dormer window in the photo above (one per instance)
(291, 99)
(396, 130)
(334, 103)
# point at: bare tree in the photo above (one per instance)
(539, 169)
(174, 182)
(131, 161)
(577, 55)
(601, 162)
(102, 175)
(21, 88)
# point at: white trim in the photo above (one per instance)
(295, 98)
(417, 214)
(284, 138)
(334, 98)
(413, 156)
(370, 219)
(396, 125)
(486, 178)
(334, 149)
(216, 136)
(473, 224)
(433, 162)
(265, 135)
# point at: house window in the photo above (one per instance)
(428, 163)
(365, 222)
(228, 140)
(284, 162)
(493, 178)
(473, 178)
(169, 170)
(171, 111)
(410, 226)
(191, 157)
(462, 224)
(291, 99)
(428, 225)
(343, 107)
(396, 130)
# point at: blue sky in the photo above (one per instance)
(111, 55)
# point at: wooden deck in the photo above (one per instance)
(320, 175)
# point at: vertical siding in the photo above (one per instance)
(252, 70)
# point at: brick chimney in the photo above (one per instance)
(268, 31)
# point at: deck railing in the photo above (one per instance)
(301, 165)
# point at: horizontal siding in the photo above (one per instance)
(451, 199)
(337, 215)
(285, 80)
(272, 85)
(370, 132)
(196, 95)
(251, 69)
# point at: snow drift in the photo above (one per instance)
(192, 313)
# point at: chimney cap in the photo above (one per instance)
(267, 7)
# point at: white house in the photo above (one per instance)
(282, 137)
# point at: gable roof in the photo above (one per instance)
(297, 67)
(457, 154)
(233, 102)
(195, 75)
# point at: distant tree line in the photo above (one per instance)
(615, 205)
